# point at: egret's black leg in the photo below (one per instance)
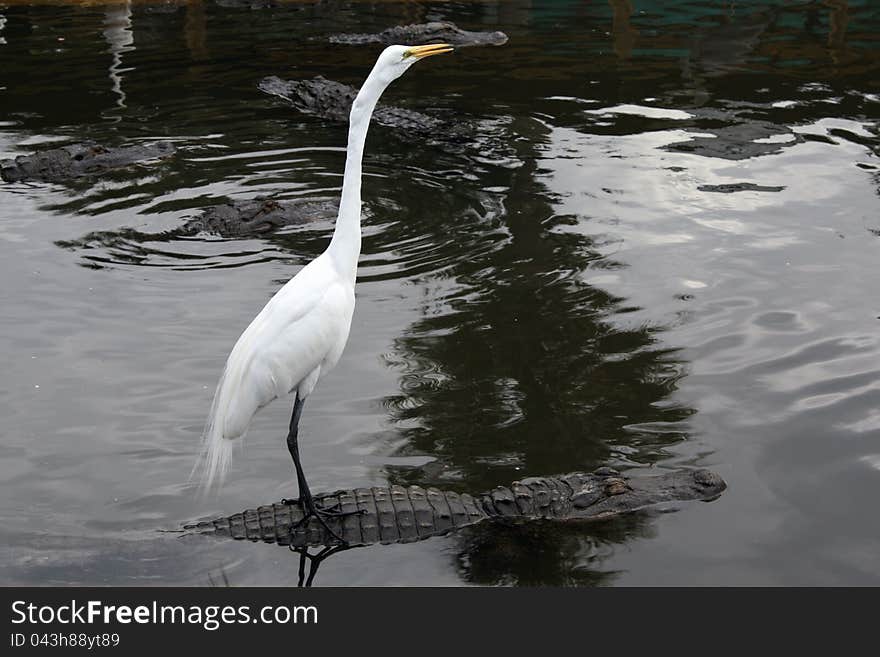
(293, 448)
(305, 495)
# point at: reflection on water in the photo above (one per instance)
(658, 248)
(120, 38)
(537, 553)
(543, 554)
(520, 367)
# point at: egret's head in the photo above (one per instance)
(394, 60)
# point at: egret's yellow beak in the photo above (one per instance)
(420, 52)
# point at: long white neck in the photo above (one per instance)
(345, 247)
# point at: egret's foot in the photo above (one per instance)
(311, 511)
(334, 510)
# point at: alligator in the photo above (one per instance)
(730, 188)
(423, 33)
(236, 219)
(332, 100)
(75, 160)
(258, 216)
(394, 514)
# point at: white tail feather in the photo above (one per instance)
(215, 459)
(243, 388)
(217, 447)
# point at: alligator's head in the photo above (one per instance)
(444, 32)
(610, 494)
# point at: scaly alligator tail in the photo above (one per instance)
(396, 514)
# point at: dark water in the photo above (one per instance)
(659, 249)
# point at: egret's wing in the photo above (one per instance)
(312, 344)
(256, 372)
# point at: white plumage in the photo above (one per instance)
(298, 335)
(301, 332)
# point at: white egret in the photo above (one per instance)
(301, 332)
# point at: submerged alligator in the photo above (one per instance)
(77, 160)
(235, 219)
(395, 514)
(424, 33)
(332, 100)
(258, 216)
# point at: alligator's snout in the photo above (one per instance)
(479, 38)
(497, 38)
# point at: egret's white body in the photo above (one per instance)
(298, 335)
(301, 332)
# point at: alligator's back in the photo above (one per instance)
(387, 515)
(82, 159)
(329, 99)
